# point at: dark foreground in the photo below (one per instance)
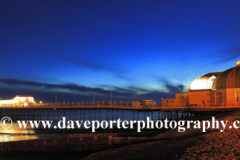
(192, 144)
(170, 144)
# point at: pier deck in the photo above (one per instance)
(129, 107)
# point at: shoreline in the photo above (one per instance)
(155, 137)
(191, 144)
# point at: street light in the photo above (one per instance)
(94, 98)
(56, 98)
(111, 98)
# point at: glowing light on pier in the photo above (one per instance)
(18, 101)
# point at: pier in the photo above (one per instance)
(121, 106)
(101, 111)
(105, 111)
(89, 111)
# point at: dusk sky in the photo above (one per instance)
(133, 49)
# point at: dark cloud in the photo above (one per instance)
(92, 66)
(156, 95)
(227, 55)
(117, 91)
(72, 87)
(138, 89)
(129, 89)
(103, 66)
(21, 82)
(44, 95)
(95, 66)
(40, 78)
(8, 93)
(121, 76)
(172, 88)
(47, 91)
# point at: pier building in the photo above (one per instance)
(18, 101)
(211, 89)
(144, 103)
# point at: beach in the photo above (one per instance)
(156, 144)
(191, 144)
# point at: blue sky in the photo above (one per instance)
(134, 49)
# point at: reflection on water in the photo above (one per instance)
(22, 137)
(15, 129)
(12, 137)
(14, 133)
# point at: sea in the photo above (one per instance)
(14, 133)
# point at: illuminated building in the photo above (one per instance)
(18, 101)
(212, 89)
(143, 103)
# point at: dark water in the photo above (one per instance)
(99, 114)
(89, 114)
(16, 134)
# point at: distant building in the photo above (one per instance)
(18, 101)
(212, 89)
(144, 103)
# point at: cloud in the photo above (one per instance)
(40, 78)
(228, 54)
(121, 76)
(172, 88)
(103, 66)
(95, 66)
(92, 66)
(72, 87)
(44, 95)
(74, 92)
(20, 82)
(156, 95)
(117, 91)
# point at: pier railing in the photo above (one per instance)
(98, 103)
